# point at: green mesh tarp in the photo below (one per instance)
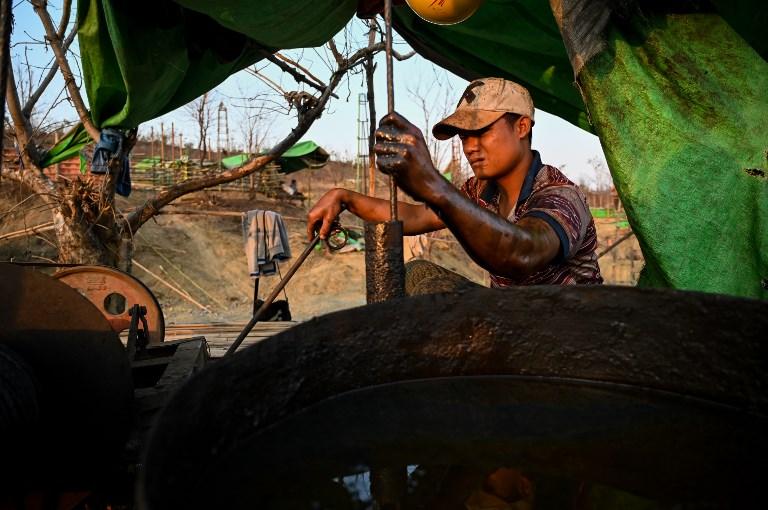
(147, 163)
(681, 107)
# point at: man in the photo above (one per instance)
(523, 221)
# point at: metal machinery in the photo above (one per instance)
(111, 291)
(658, 393)
(75, 403)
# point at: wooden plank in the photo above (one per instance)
(221, 335)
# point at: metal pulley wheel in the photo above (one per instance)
(113, 293)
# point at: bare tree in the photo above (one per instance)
(435, 102)
(601, 178)
(201, 112)
(89, 227)
(253, 123)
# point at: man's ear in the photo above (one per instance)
(524, 127)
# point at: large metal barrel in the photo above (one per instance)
(659, 393)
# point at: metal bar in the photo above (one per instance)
(390, 99)
(255, 295)
(268, 301)
(385, 275)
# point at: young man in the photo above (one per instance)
(523, 221)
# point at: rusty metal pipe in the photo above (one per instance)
(384, 266)
(390, 98)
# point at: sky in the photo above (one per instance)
(424, 93)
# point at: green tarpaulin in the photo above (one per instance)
(142, 58)
(68, 147)
(523, 44)
(682, 114)
(303, 155)
(234, 161)
(666, 153)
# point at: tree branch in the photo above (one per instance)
(300, 78)
(66, 71)
(66, 9)
(336, 55)
(30, 153)
(36, 181)
(35, 96)
(152, 207)
(6, 26)
(401, 57)
(300, 67)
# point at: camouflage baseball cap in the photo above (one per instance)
(484, 102)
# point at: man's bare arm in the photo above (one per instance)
(417, 219)
(501, 247)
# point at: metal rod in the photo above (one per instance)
(255, 295)
(390, 98)
(268, 301)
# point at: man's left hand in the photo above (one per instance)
(402, 153)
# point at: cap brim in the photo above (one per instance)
(464, 120)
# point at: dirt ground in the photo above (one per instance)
(203, 255)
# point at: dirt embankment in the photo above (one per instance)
(203, 255)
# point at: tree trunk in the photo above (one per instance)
(88, 230)
(79, 244)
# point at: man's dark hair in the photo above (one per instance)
(512, 118)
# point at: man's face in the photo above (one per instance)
(494, 151)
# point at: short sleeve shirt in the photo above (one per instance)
(549, 195)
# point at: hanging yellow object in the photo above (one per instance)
(444, 12)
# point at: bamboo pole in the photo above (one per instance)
(173, 141)
(43, 227)
(174, 289)
(162, 143)
(182, 273)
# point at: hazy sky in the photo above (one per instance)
(421, 90)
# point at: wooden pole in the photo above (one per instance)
(173, 288)
(173, 141)
(162, 143)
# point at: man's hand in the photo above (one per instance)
(324, 213)
(402, 153)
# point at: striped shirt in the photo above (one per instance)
(549, 195)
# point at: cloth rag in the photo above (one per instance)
(266, 242)
(110, 146)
